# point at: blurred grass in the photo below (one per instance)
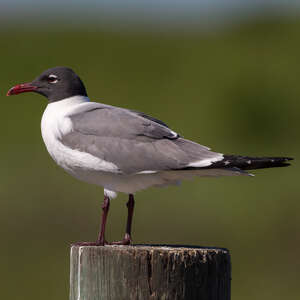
(235, 90)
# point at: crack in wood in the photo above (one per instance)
(149, 270)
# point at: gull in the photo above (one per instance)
(119, 149)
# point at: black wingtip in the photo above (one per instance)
(285, 163)
(289, 158)
(252, 163)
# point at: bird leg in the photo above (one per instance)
(130, 206)
(105, 208)
(127, 238)
(101, 237)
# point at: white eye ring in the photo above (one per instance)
(52, 78)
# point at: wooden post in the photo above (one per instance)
(149, 272)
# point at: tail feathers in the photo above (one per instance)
(251, 163)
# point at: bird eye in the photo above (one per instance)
(52, 78)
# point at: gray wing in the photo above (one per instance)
(133, 141)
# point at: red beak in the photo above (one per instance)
(21, 88)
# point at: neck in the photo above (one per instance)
(71, 101)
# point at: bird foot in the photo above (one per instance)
(126, 241)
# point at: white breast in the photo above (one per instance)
(55, 124)
(84, 166)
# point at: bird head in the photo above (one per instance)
(55, 84)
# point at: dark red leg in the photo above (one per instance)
(101, 237)
(127, 238)
(105, 208)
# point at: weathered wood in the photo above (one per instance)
(149, 272)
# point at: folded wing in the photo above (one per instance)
(133, 141)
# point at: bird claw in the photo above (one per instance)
(126, 241)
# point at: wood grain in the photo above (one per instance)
(149, 272)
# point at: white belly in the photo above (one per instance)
(54, 125)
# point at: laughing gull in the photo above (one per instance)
(119, 149)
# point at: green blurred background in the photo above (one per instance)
(233, 86)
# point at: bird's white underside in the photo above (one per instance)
(84, 166)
